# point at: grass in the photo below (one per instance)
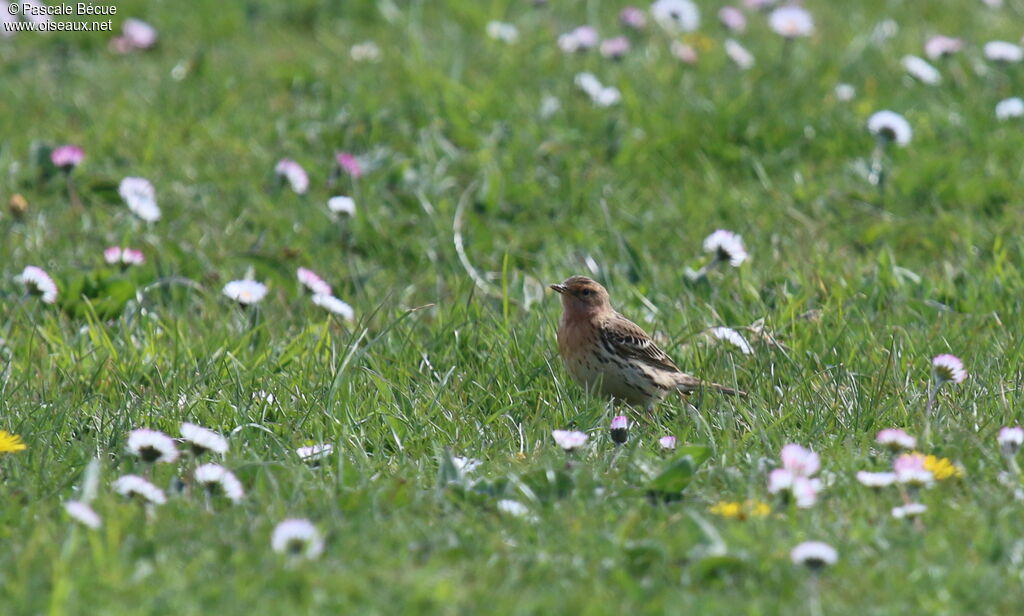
(861, 292)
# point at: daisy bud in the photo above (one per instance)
(667, 442)
(620, 429)
(1010, 440)
(814, 555)
(349, 164)
(67, 157)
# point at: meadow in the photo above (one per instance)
(482, 166)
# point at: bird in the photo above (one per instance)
(604, 350)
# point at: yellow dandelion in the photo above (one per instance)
(942, 468)
(10, 443)
(727, 509)
(740, 511)
(758, 509)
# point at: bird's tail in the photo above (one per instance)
(689, 385)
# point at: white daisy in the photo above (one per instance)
(133, 485)
(245, 292)
(314, 453)
(140, 196)
(1003, 51)
(739, 54)
(608, 96)
(215, 477)
(948, 368)
(845, 92)
(513, 508)
(1011, 439)
(791, 22)
(297, 537)
(342, 205)
(38, 282)
(569, 440)
(911, 510)
(152, 446)
(203, 440)
(876, 480)
(367, 51)
(890, 126)
(465, 465)
(83, 514)
(814, 554)
(501, 31)
(921, 70)
(1010, 108)
(676, 16)
(294, 173)
(726, 246)
(896, 439)
(309, 279)
(733, 337)
(335, 306)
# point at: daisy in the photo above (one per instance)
(805, 491)
(799, 460)
(733, 337)
(739, 54)
(349, 164)
(910, 510)
(297, 537)
(139, 34)
(895, 439)
(309, 279)
(215, 477)
(501, 31)
(733, 19)
(910, 469)
(152, 446)
(791, 22)
(845, 92)
(67, 157)
(367, 51)
(620, 429)
(135, 486)
(814, 554)
(203, 440)
(667, 442)
(124, 256)
(780, 479)
(676, 16)
(11, 443)
(83, 514)
(569, 440)
(889, 126)
(1010, 108)
(939, 46)
(1011, 439)
(1002, 51)
(513, 508)
(314, 453)
(948, 369)
(465, 465)
(632, 17)
(140, 197)
(245, 292)
(578, 39)
(294, 174)
(38, 282)
(334, 306)
(342, 205)
(876, 480)
(686, 53)
(614, 48)
(921, 70)
(727, 247)
(608, 96)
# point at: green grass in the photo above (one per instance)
(861, 293)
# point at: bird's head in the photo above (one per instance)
(582, 295)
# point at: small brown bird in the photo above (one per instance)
(602, 348)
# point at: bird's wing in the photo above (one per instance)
(626, 339)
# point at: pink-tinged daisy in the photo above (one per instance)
(633, 17)
(1010, 108)
(667, 442)
(919, 69)
(620, 429)
(911, 510)
(799, 460)
(138, 487)
(342, 205)
(683, 52)
(1011, 439)
(845, 92)
(805, 491)
(297, 538)
(309, 279)
(791, 22)
(948, 368)
(758, 4)
(780, 479)
(939, 46)
(1003, 51)
(895, 439)
(38, 282)
(152, 446)
(814, 555)
(139, 34)
(83, 514)
(116, 255)
(349, 164)
(614, 48)
(140, 197)
(910, 469)
(727, 247)
(314, 453)
(501, 31)
(890, 126)
(67, 157)
(733, 19)
(569, 440)
(245, 292)
(739, 54)
(733, 337)
(203, 440)
(876, 480)
(334, 306)
(216, 478)
(294, 174)
(676, 16)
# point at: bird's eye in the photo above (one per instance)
(585, 292)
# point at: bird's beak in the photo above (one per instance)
(559, 288)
